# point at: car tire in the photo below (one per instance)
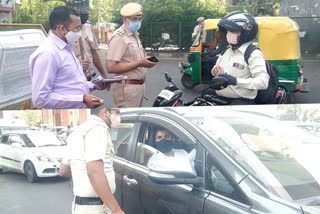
(186, 81)
(30, 172)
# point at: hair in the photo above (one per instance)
(61, 15)
(96, 111)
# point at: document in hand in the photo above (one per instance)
(109, 80)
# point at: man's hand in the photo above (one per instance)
(102, 86)
(117, 211)
(146, 63)
(92, 101)
(85, 64)
(216, 71)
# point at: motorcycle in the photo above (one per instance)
(171, 95)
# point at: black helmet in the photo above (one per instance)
(237, 21)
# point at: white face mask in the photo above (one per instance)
(115, 120)
(73, 37)
(232, 38)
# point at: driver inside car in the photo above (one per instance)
(165, 145)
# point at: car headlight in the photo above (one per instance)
(42, 157)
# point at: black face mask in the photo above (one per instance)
(84, 17)
(164, 145)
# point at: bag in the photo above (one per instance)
(268, 95)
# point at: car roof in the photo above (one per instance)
(218, 112)
(25, 132)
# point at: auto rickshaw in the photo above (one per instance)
(278, 39)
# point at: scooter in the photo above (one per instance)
(171, 95)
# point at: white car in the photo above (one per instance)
(34, 153)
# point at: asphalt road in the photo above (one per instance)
(156, 81)
(49, 195)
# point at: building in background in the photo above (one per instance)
(71, 117)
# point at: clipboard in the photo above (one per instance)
(119, 78)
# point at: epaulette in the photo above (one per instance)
(119, 32)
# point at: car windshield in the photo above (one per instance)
(284, 158)
(42, 138)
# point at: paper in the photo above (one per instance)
(112, 79)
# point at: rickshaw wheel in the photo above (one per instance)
(186, 81)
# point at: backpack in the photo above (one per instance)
(266, 96)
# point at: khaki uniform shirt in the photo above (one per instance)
(125, 47)
(89, 42)
(89, 142)
(250, 78)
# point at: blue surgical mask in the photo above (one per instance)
(134, 26)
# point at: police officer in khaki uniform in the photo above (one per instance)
(86, 49)
(126, 56)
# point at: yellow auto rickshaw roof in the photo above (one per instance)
(278, 37)
(210, 24)
(277, 24)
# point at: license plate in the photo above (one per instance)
(166, 94)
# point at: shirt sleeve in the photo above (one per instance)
(96, 144)
(258, 69)
(94, 44)
(117, 48)
(44, 71)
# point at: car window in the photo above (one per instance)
(157, 142)
(5, 139)
(16, 139)
(217, 182)
(120, 137)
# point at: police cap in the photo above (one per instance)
(131, 9)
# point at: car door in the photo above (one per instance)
(140, 194)
(121, 137)
(4, 149)
(225, 196)
(16, 152)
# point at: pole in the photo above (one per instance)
(180, 39)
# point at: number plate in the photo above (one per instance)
(166, 94)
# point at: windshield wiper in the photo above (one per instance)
(313, 203)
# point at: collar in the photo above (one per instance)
(57, 41)
(129, 32)
(244, 47)
(98, 119)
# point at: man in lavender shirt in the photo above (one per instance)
(57, 76)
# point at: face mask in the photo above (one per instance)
(134, 26)
(232, 38)
(115, 120)
(164, 145)
(84, 17)
(73, 37)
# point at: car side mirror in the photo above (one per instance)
(16, 145)
(172, 170)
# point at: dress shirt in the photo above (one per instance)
(57, 76)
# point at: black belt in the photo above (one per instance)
(88, 200)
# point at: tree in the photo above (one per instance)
(35, 12)
(258, 7)
(32, 118)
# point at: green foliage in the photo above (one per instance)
(32, 118)
(35, 12)
(258, 7)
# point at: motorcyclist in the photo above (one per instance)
(244, 79)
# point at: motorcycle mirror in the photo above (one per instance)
(168, 77)
(219, 83)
